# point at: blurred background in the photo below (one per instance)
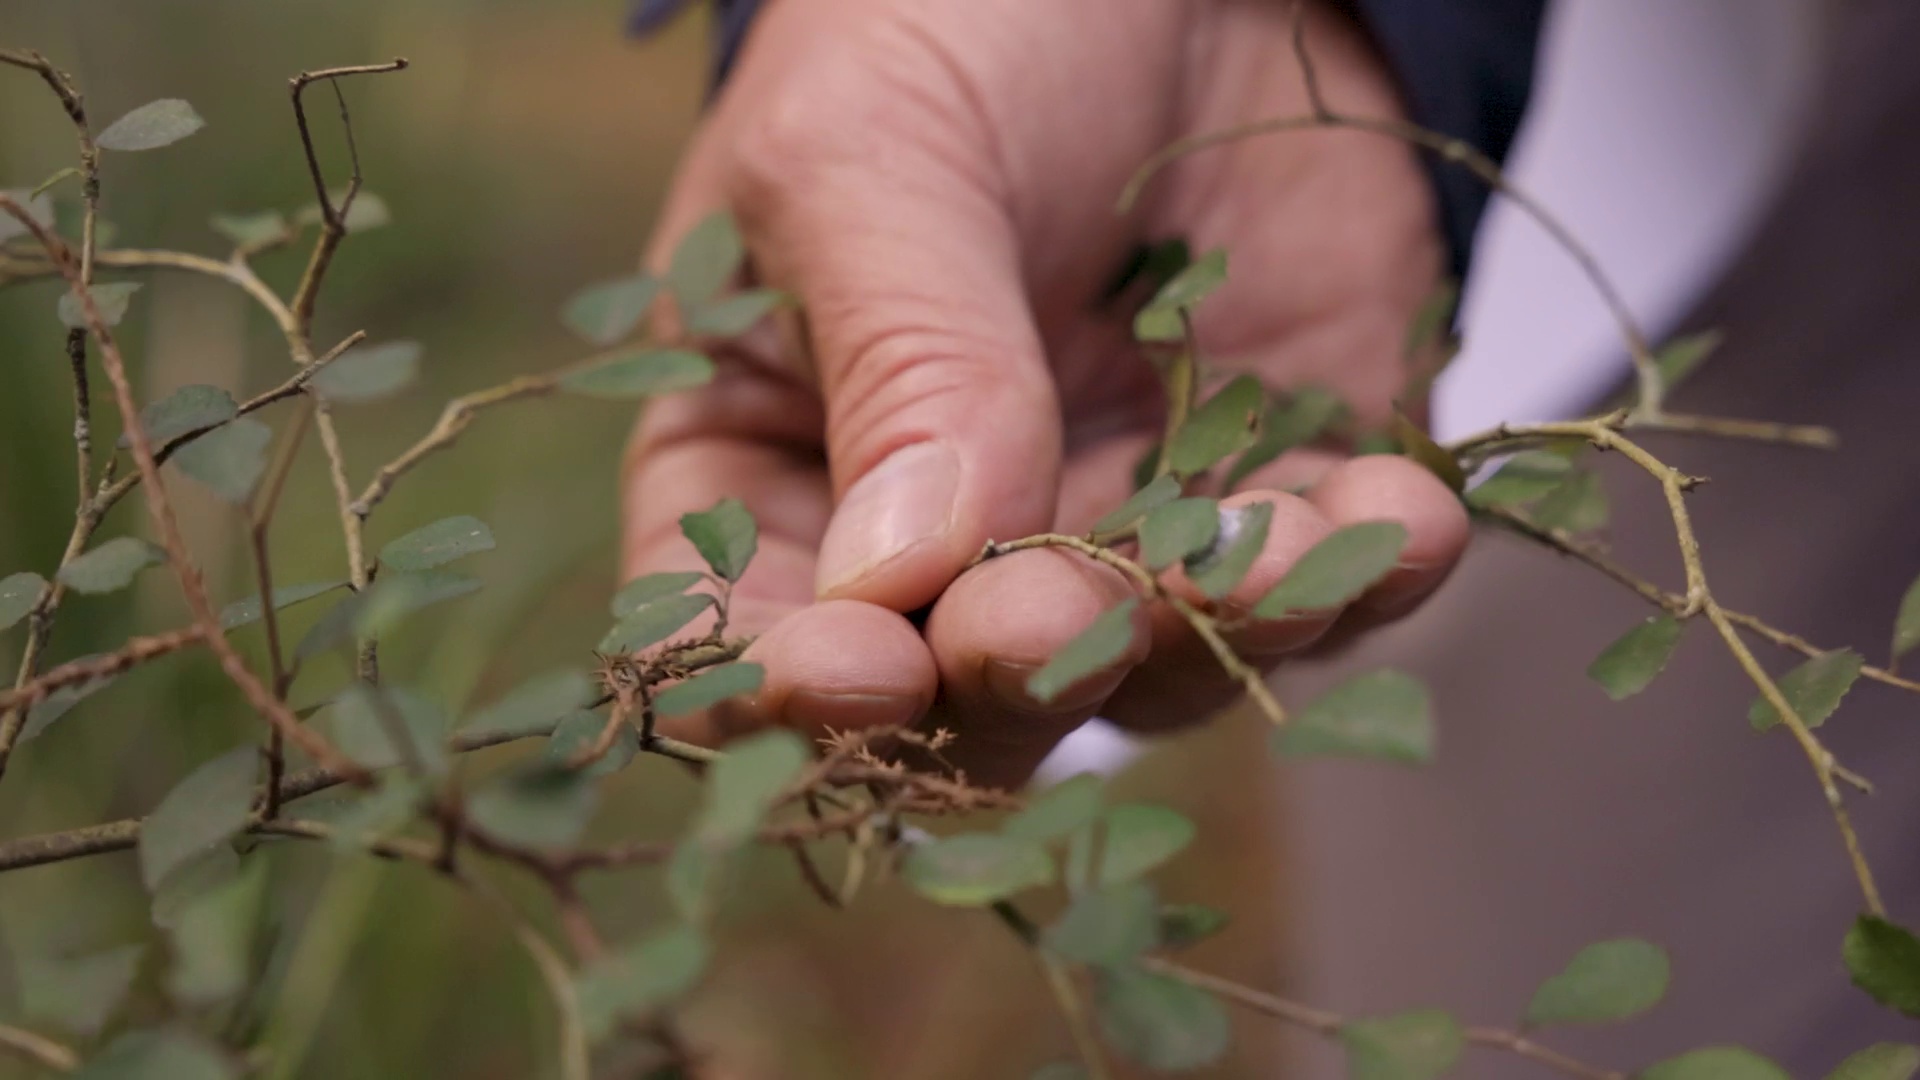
(522, 155)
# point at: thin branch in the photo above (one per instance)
(1067, 997)
(39, 1049)
(136, 651)
(453, 420)
(333, 219)
(1812, 436)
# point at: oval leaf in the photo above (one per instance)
(608, 312)
(1382, 715)
(1813, 689)
(731, 316)
(1605, 982)
(252, 230)
(652, 623)
(209, 807)
(1160, 490)
(975, 869)
(1526, 476)
(110, 299)
(151, 126)
(243, 612)
(1158, 1022)
(157, 1054)
(1112, 925)
(1716, 1063)
(1139, 837)
(742, 786)
(1881, 1061)
(1226, 424)
(370, 372)
(543, 806)
(726, 537)
(1576, 506)
(639, 373)
(1306, 415)
(1159, 320)
(1337, 569)
(1627, 666)
(709, 688)
(1177, 530)
(229, 459)
(1906, 624)
(1884, 959)
(706, 260)
(640, 978)
(18, 593)
(1243, 535)
(1093, 650)
(437, 544)
(1059, 811)
(1185, 924)
(578, 732)
(78, 993)
(110, 566)
(190, 408)
(213, 940)
(534, 706)
(651, 587)
(1418, 445)
(1417, 1045)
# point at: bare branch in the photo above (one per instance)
(39, 1049)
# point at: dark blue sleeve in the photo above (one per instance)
(1464, 66)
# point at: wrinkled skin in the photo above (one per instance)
(935, 181)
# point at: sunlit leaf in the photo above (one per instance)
(1418, 445)
(709, 688)
(975, 869)
(640, 978)
(111, 566)
(725, 535)
(1243, 535)
(1159, 320)
(1604, 982)
(151, 126)
(1906, 624)
(1577, 505)
(1177, 530)
(577, 733)
(1139, 837)
(207, 808)
(190, 408)
(110, 300)
(534, 706)
(251, 230)
(1343, 565)
(1715, 1063)
(1382, 715)
(731, 316)
(1627, 666)
(1093, 650)
(243, 612)
(742, 786)
(607, 312)
(706, 260)
(1110, 925)
(1304, 416)
(540, 806)
(1881, 1061)
(157, 1054)
(1813, 689)
(229, 460)
(1524, 477)
(213, 940)
(1185, 924)
(437, 544)
(18, 593)
(638, 373)
(1158, 1022)
(650, 587)
(76, 993)
(1224, 424)
(1057, 811)
(1161, 490)
(370, 372)
(1884, 959)
(654, 622)
(1417, 1045)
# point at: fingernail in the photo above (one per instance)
(1006, 680)
(811, 710)
(905, 499)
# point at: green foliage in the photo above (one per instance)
(709, 688)
(976, 869)
(77, 993)
(1243, 535)
(1057, 812)
(637, 373)
(1348, 562)
(725, 535)
(382, 727)
(1715, 1063)
(1632, 662)
(731, 316)
(534, 705)
(1162, 490)
(577, 733)
(368, 211)
(744, 785)
(1159, 1022)
(1604, 982)
(653, 622)
(1415, 443)
(606, 313)
(1177, 530)
(640, 978)
(245, 612)
(706, 260)
(382, 607)
(377, 815)
(110, 300)
(1138, 838)
(213, 940)
(370, 372)
(158, 1054)
(1682, 356)
(251, 230)
(540, 805)
(1525, 477)
(1417, 1045)
(209, 807)
(1307, 414)
(111, 566)
(1093, 650)
(151, 126)
(1182, 925)
(1110, 925)
(190, 408)
(1159, 320)
(229, 460)
(1881, 1061)
(1223, 425)
(57, 704)
(1884, 959)
(1380, 714)
(650, 587)
(437, 544)
(18, 593)
(1813, 689)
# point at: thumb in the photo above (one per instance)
(943, 426)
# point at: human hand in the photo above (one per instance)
(934, 180)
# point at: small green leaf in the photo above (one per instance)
(1158, 492)
(190, 408)
(18, 593)
(396, 596)
(1627, 666)
(706, 260)
(111, 566)
(1415, 443)
(1417, 1045)
(1094, 649)
(650, 587)
(1430, 325)
(213, 940)
(607, 312)
(1813, 689)
(1058, 811)
(1881, 1061)
(366, 721)
(1339, 568)
(1159, 320)
(652, 623)
(731, 316)
(725, 536)
(110, 299)
(229, 459)
(244, 612)
(1526, 476)
(1884, 959)
(1180, 529)
(55, 705)
(437, 544)
(38, 207)
(1381, 714)
(370, 372)
(151, 126)
(1243, 535)
(709, 688)
(1906, 624)
(1576, 506)
(369, 211)
(1680, 357)
(1158, 1022)
(1603, 983)
(157, 1054)
(541, 806)
(742, 786)
(1225, 424)
(1715, 1063)
(694, 875)
(638, 373)
(190, 881)
(577, 732)
(251, 230)
(378, 815)
(1303, 417)
(207, 808)
(1139, 837)
(534, 706)
(975, 869)
(78, 993)
(640, 978)
(1110, 925)
(1185, 924)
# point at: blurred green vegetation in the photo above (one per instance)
(522, 155)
